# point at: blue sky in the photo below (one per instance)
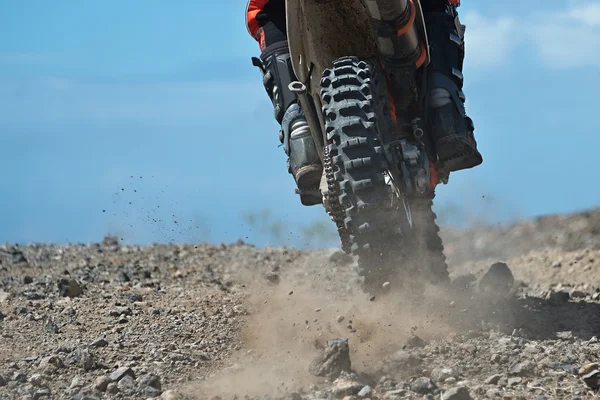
(160, 99)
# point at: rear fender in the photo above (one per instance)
(321, 31)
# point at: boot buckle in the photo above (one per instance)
(457, 40)
(458, 74)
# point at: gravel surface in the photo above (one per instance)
(108, 321)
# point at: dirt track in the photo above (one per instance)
(169, 321)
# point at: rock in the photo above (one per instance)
(521, 369)
(170, 395)
(149, 385)
(441, 374)
(397, 394)
(2, 381)
(123, 277)
(12, 255)
(559, 298)
(565, 335)
(365, 392)
(78, 382)
(405, 359)
(22, 310)
(101, 342)
(493, 380)
(19, 377)
(118, 311)
(51, 327)
(126, 385)
(41, 394)
(52, 361)
(578, 294)
(592, 379)
(34, 296)
(496, 358)
(3, 296)
(69, 288)
(240, 310)
(112, 388)
(503, 381)
(457, 393)
(514, 380)
(120, 373)
(346, 385)
(70, 311)
(564, 367)
(586, 369)
(36, 379)
(498, 280)
(333, 360)
(135, 297)
(416, 342)
(101, 383)
(423, 386)
(83, 359)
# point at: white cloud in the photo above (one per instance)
(487, 41)
(588, 14)
(563, 38)
(568, 38)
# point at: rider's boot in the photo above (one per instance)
(303, 162)
(448, 123)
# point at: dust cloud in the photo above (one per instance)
(311, 303)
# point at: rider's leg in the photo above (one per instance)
(266, 23)
(448, 123)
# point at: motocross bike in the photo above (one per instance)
(361, 69)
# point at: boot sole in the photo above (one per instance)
(466, 159)
(308, 180)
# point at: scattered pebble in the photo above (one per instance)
(423, 385)
(69, 288)
(457, 393)
(120, 373)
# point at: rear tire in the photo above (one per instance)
(356, 114)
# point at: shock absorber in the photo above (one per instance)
(398, 38)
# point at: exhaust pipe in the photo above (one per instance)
(398, 37)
